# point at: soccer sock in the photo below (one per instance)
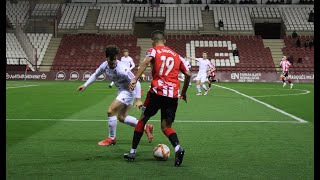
(204, 87)
(209, 85)
(283, 79)
(131, 121)
(111, 84)
(172, 136)
(138, 132)
(112, 123)
(289, 81)
(198, 87)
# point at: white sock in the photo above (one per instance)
(131, 121)
(112, 123)
(133, 151)
(198, 87)
(176, 148)
(111, 84)
(204, 87)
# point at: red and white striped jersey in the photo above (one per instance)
(285, 64)
(166, 66)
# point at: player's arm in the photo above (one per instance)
(137, 93)
(92, 78)
(132, 65)
(141, 70)
(193, 58)
(187, 77)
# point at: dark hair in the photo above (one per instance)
(125, 50)
(157, 35)
(204, 52)
(111, 52)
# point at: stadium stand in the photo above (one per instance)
(115, 17)
(183, 18)
(40, 41)
(73, 16)
(296, 18)
(17, 12)
(233, 18)
(45, 9)
(305, 53)
(86, 51)
(253, 56)
(14, 52)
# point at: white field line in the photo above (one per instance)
(178, 121)
(297, 94)
(21, 86)
(268, 105)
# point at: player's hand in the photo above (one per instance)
(133, 84)
(81, 88)
(138, 104)
(184, 97)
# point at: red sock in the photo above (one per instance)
(168, 131)
(172, 136)
(139, 127)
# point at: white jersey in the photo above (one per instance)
(128, 61)
(120, 75)
(204, 64)
(187, 64)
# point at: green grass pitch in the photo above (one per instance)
(249, 131)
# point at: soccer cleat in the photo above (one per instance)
(107, 142)
(209, 89)
(205, 93)
(149, 132)
(291, 85)
(199, 94)
(284, 84)
(179, 157)
(110, 86)
(129, 156)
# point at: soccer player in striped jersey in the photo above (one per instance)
(127, 60)
(211, 75)
(163, 94)
(119, 109)
(285, 64)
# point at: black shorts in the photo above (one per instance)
(168, 106)
(285, 74)
(211, 78)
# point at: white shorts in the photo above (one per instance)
(125, 97)
(201, 77)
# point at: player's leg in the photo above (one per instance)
(151, 109)
(111, 84)
(283, 80)
(113, 109)
(202, 82)
(288, 79)
(198, 84)
(168, 113)
(209, 84)
(123, 116)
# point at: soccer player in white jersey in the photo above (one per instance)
(127, 60)
(285, 64)
(204, 65)
(119, 73)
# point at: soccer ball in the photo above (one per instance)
(161, 152)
